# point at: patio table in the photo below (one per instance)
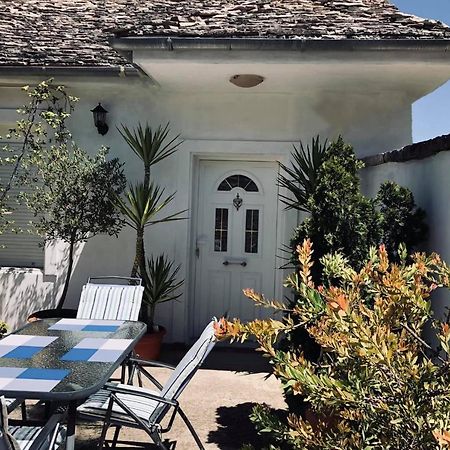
(64, 360)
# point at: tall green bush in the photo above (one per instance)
(343, 219)
(377, 385)
(400, 219)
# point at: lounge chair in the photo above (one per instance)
(50, 436)
(111, 301)
(131, 406)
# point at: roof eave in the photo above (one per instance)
(131, 43)
(96, 71)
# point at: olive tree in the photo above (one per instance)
(69, 191)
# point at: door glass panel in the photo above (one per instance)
(241, 181)
(251, 230)
(221, 230)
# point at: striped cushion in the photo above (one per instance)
(25, 436)
(97, 404)
(22, 437)
(149, 410)
(110, 302)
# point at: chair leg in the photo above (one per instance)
(101, 443)
(23, 408)
(157, 440)
(107, 423)
(122, 373)
(191, 429)
(116, 437)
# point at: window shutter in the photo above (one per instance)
(21, 249)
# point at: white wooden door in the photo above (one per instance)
(236, 239)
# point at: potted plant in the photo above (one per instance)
(160, 286)
(142, 206)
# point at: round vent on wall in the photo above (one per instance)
(246, 80)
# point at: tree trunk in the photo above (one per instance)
(139, 259)
(69, 273)
(147, 177)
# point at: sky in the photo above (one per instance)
(431, 115)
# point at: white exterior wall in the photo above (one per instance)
(429, 181)
(243, 124)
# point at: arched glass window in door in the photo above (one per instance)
(238, 180)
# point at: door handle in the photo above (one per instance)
(240, 263)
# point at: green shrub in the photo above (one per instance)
(378, 384)
(343, 219)
(400, 219)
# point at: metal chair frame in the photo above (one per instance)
(165, 402)
(115, 277)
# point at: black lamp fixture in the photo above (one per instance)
(100, 119)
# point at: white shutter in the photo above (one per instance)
(21, 249)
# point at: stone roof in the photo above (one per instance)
(76, 33)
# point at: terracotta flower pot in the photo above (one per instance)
(149, 346)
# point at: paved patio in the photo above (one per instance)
(218, 401)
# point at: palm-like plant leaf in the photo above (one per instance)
(149, 145)
(301, 179)
(160, 280)
(141, 204)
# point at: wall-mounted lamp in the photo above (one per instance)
(100, 119)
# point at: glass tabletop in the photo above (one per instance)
(64, 359)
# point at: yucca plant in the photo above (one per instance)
(150, 146)
(143, 206)
(140, 207)
(301, 179)
(161, 284)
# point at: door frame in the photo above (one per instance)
(192, 261)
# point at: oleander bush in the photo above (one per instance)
(377, 384)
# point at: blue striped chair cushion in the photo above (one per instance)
(22, 437)
(97, 404)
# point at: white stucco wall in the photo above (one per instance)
(429, 182)
(236, 124)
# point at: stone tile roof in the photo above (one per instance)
(76, 33)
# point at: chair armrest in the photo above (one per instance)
(120, 390)
(151, 363)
